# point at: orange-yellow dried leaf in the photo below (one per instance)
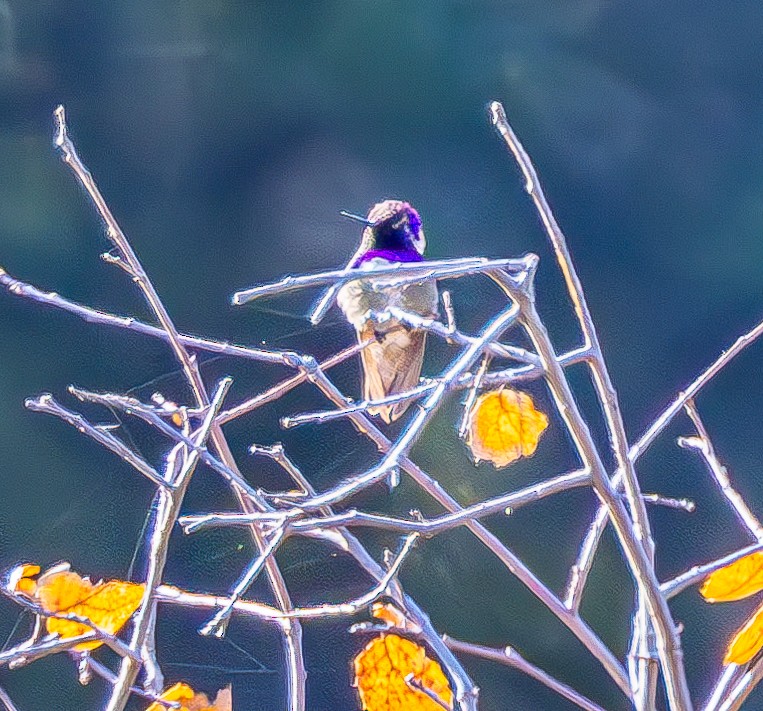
(22, 579)
(503, 425)
(380, 673)
(108, 604)
(386, 612)
(193, 701)
(737, 580)
(747, 642)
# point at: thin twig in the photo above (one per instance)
(511, 561)
(167, 511)
(511, 657)
(579, 572)
(695, 574)
(218, 624)
(704, 445)
(46, 403)
(436, 328)
(304, 365)
(102, 318)
(428, 527)
(171, 594)
(149, 414)
(637, 556)
(6, 700)
(423, 415)
(727, 683)
(465, 381)
(292, 637)
(411, 273)
(605, 389)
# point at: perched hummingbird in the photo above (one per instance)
(391, 364)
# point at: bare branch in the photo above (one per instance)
(579, 572)
(511, 657)
(421, 417)
(697, 573)
(292, 637)
(353, 517)
(638, 557)
(704, 445)
(408, 274)
(20, 288)
(167, 511)
(571, 620)
(47, 404)
(168, 593)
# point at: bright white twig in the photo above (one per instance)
(471, 396)
(47, 404)
(219, 623)
(413, 683)
(507, 558)
(23, 654)
(437, 328)
(326, 301)
(167, 511)
(341, 539)
(697, 573)
(511, 657)
(278, 454)
(105, 673)
(684, 504)
(429, 527)
(608, 400)
(579, 572)
(292, 637)
(410, 273)
(735, 685)
(28, 291)
(6, 700)
(728, 681)
(168, 593)
(637, 555)
(149, 414)
(305, 365)
(704, 445)
(492, 380)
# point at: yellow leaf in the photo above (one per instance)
(381, 670)
(737, 580)
(109, 605)
(747, 642)
(386, 612)
(503, 425)
(22, 579)
(192, 701)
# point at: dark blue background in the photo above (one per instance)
(226, 137)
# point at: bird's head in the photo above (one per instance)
(392, 225)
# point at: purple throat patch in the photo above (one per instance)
(391, 255)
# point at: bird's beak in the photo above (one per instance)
(357, 218)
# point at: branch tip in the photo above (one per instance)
(59, 116)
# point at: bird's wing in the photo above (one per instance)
(391, 365)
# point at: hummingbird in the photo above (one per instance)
(392, 363)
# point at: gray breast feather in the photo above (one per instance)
(357, 298)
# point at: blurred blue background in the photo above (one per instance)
(226, 136)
